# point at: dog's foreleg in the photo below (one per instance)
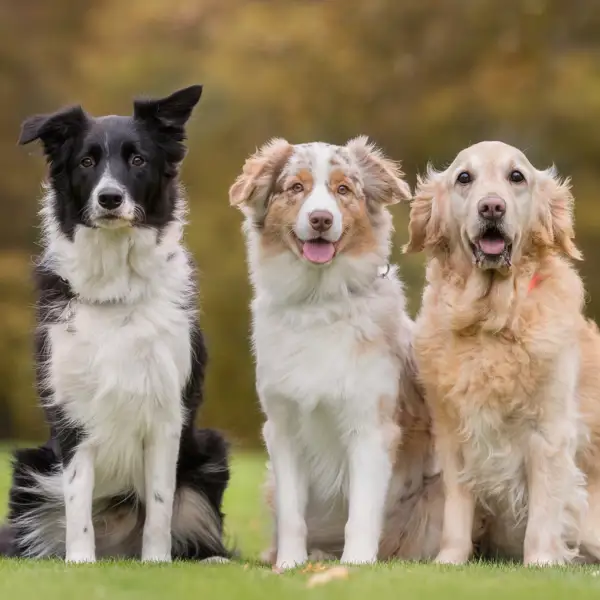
(78, 490)
(459, 507)
(291, 495)
(160, 459)
(555, 485)
(552, 479)
(370, 469)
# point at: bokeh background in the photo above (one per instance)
(423, 78)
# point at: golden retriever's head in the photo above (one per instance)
(493, 205)
(318, 201)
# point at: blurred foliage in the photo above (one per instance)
(423, 78)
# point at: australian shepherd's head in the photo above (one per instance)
(114, 172)
(316, 217)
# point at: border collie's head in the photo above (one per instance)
(114, 171)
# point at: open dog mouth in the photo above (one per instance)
(492, 246)
(317, 250)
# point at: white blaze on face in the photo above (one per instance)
(319, 241)
(100, 203)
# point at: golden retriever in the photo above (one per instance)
(511, 368)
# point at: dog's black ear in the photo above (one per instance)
(171, 112)
(53, 129)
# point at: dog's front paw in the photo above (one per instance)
(453, 556)
(358, 558)
(156, 553)
(156, 557)
(80, 557)
(286, 562)
(542, 559)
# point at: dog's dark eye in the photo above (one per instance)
(464, 178)
(136, 160)
(516, 176)
(343, 189)
(297, 188)
(86, 162)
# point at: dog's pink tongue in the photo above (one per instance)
(492, 246)
(318, 252)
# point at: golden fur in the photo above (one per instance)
(510, 366)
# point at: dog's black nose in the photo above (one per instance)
(491, 208)
(110, 199)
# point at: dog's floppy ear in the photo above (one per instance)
(171, 112)
(53, 129)
(382, 177)
(556, 221)
(253, 187)
(425, 226)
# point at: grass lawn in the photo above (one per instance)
(248, 527)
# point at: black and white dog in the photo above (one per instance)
(120, 356)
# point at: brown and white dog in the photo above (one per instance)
(510, 366)
(347, 431)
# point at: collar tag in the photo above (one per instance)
(384, 271)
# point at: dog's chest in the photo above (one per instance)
(119, 367)
(325, 375)
(342, 362)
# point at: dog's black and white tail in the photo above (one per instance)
(36, 525)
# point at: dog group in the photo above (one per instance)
(472, 431)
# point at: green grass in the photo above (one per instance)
(248, 528)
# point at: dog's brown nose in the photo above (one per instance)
(320, 220)
(491, 208)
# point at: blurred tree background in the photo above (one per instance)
(423, 78)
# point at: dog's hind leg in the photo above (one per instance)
(202, 477)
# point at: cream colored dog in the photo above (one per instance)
(510, 365)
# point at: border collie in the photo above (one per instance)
(347, 430)
(120, 356)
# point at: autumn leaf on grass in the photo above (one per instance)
(314, 568)
(328, 576)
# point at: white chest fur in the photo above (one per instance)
(324, 369)
(122, 363)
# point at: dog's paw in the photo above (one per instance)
(285, 563)
(80, 558)
(156, 557)
(358, 558)
(453, 556)
(542, 559)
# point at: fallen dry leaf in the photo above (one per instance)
(314, 568)
(328, 576)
